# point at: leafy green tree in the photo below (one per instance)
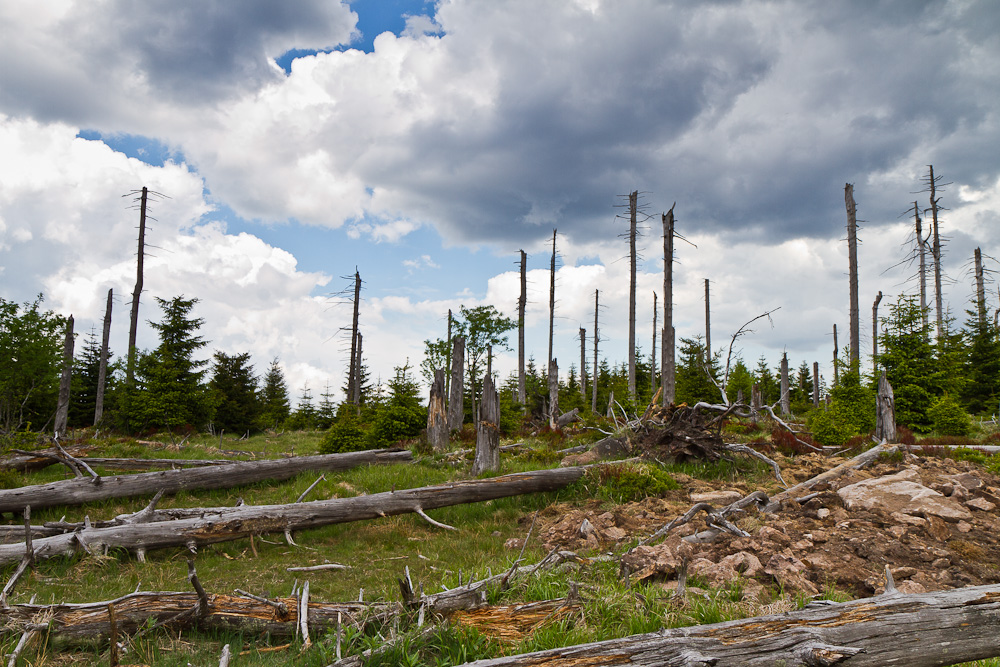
(31, 342)
(83, 391)
(851, 412)
(740, 380)
(484, 329)
(436, 355)
(233, 392)
(275, 406)
(982, 367)
(401, 415)
(170, 391)
(693, 383)
(908, 357)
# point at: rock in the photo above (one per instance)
(980, 504)
(662, 559)
(581, 459)
(897, 531)
(586, 528)
(963, 527)
(941, 563)
(773, 535)
(513, 543)
(716, 498)
(908, 520)
(938, 529)
(967, 480)
(817, 536)
(910, 587)
(898, 493)
(900, 573)
(615, 534)
(789, 572)
(822, 513)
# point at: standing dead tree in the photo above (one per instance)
(553, 394)
(708, 323)
(522, 302)
(456, 402)
(596, 375)
(667, 362)
(836, 364)
(934, 184)
(437, 413)
(583, 363)
(815, 384)
(102, 369)
(785, 400)
(980, 288)
(878, 299)
(353, 385)
(137, 291)
(637, 215)
(552, 298)
(852, 252)
(62, 408)
(488, 430)
(652, 360)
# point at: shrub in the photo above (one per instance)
(948, 417)
(851, 413)
(346, 434)
(628, 483)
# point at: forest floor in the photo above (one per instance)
(931, 517)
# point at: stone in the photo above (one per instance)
(904, 572)
(910, 587)
(898, 493)
(980, 504)
(513, 543)
(938, 529)
(941, 563)
(770, 534)
(790, 573)
(969, 481)
(615, 534)
(897, 531)
(908, 519)
(963, 526)
(822, 513)
(581, 459)
(716, 498)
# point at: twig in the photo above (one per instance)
(96, 479)
(281, 608)
(311, 487)
(318, 568)
(224, 658)
(304, 615)
(419, 512)
(750, 451)
(26, 638)
(202, 595)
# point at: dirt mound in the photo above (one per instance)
(934, 522)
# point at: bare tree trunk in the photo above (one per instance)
(488, 431)
(786, 403)
(708, 326)
(552, 296)
(356, 398)
(134, 315)
(943, 627)
(652, 360)
(437, 413)
(878, 299)
(980, 290)
(836, 370)
(447, 365)
(102, 371)
(522, 301)
(583, 363)
(667, 370)
(815, 384)
(852, 252)
(597, 375)
(456, 402)
(885, 412)
(633, 203)
(62, 408)
(922, 250)
(756, 400)
(936, 252)
(352, 376)
(553, 394)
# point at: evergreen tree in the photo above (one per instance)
(740, 380)
(907, 355)
(273, 399)
(327, 411)
(233, 391)
(305, 416)
(770, 387)
(31, 343)
(401, 415)
(83, 392)
(170, 391)
(693, 382)
(982, 367)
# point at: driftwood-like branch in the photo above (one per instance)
(221, 524)
(79, 491)
(943, 627)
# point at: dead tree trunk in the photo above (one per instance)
(652, 360)
(756, 400)
(596, 376)
(633, 204)
(488, 430)
(786, 403)
(353, 372)
(583, 363)
(62, 407)
(447, 365)
(815, 384)
(204, 526)
(102, 369)
(708, 326)
(667, 371)
(134, 315)
(943, 627)
(852, 253)
(836, 366)
(885, 411)
(522, 302)
(437, 414)
(878, 299)
(553, 394)
(552, 296)
(356, 398)
(88, 489)
(456, 402)
(936, 250)
(922, 250)
(980, 289)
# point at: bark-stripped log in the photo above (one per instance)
(224, 524)
(939, 628)
(859, 461)
(85, 490)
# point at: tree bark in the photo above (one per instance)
(815, 384)
(596, 377)
(553, 394)
(878, 299)
(522, 302)
(552, 296)
(85, 490)
(102, 371)
(437, 414)
(633, 204)
(652, 359)
(980, 289)
(943, 627)
(136, 292)
(936, 252)
(583, 363)
(488, 430)
(456, 402)
(708, 325)
(786, 403)
(352, 374)
(62, 407)
(667, 364)
(852, 254)
(221, 524)
(922, 254)
(356, 396)
(885, 411)
(836, 368)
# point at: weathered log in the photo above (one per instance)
(859, 461)
(939, 628)
(568, 417)
(28, 460)
(85, 490)
(223, 524)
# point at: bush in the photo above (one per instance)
(948, 417)
(346, 434)
(628, 483)
(851, 413)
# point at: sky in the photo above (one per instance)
(424, 144)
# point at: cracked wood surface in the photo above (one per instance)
(939, 628)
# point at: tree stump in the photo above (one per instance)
(456, 402)
(488, 431)
(885, 411)
(437, 414)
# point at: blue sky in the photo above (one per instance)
(425, 143)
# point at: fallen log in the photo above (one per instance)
(29, 460)
(221, 524)
(84, 490)
(939, 628)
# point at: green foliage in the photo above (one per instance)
(851, 412)
(740, 380)
(401, 416)
(948, 417)
(83, 390)
(31, 342)
(233, 392)
(626, 483)
(346, 434)
(274, 404)
(693, 381)
(305, 416)
(982, 367)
